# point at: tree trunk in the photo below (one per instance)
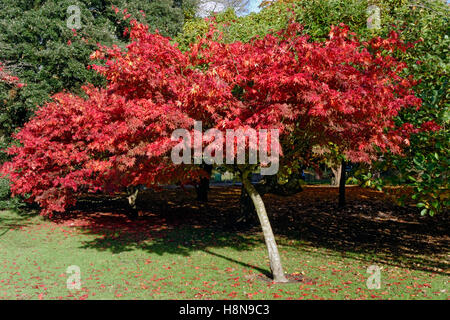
(342, 185)
(274, 256)
(203, 187)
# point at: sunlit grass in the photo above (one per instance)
(185, 263)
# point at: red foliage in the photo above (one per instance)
(342, 91)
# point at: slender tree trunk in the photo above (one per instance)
(274, 256)
(342, 185)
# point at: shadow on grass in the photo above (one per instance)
(13, 219)
(263, 271)
(369, 229)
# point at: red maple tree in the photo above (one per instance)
(341, 91)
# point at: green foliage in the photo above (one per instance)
(6, 202)
(425, 162)
(429, 174)
(34, 47)
(315, 15)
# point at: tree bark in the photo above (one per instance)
(274, 256)
(342, 185)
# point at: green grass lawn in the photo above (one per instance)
(148, 260)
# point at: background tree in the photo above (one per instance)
(9, 87)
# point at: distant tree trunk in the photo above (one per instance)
(203, 186)
(342, 185)
(132, 197)
(337, 175)
(274, 256)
